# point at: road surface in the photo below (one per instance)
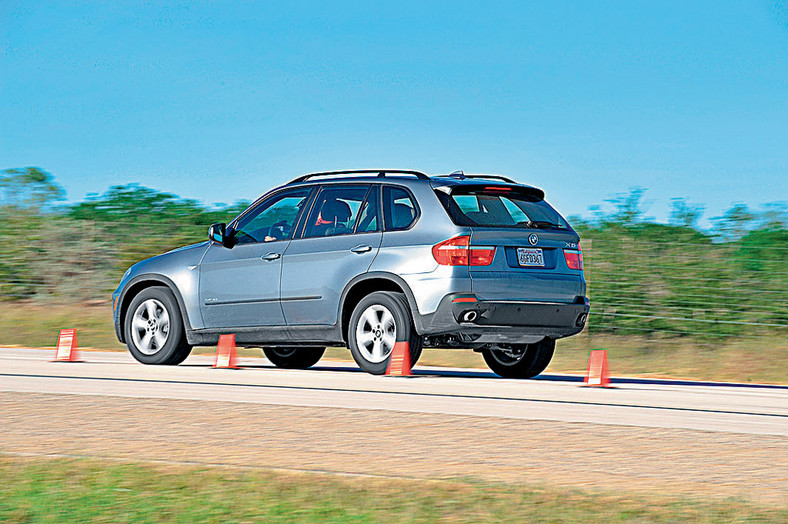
(670, 436)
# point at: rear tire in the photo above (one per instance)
(154, 328)
(294, 358)
(520, 361)
(379, 321)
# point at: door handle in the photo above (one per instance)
(270, 256)
(361, 249)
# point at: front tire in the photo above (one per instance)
(521, 360)
(379, 321)
(293, 358)
(154, 328)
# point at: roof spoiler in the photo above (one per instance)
(460, 175)
(532, 193)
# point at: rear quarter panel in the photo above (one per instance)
(408, 253)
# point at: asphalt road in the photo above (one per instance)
(704, 406)
(652, 436)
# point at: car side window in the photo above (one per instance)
(398, 208)
(273, 219)
(368, 219)
(335, 211)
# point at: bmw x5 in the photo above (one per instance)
(365, 259)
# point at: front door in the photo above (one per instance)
(239, 286)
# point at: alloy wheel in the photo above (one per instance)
(150, 326)
(376, 333)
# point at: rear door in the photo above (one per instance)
(529, 238)
(340, 239)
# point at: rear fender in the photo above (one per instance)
(397, 283)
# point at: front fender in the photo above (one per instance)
(137, 284)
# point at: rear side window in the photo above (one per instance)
(335, 211)
(488, 207)
(368, 219)
(399, 208)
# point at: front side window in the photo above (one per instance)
(273, 219)
(399, 208)
(335, 211)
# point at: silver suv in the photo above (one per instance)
(366, 259)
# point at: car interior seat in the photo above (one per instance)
(335, 215)
(403, 215)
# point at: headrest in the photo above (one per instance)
(335, 210)
(403, 215)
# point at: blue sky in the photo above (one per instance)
(221, 101)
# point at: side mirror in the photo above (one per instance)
(218, 233)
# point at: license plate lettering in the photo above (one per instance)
(532, 257)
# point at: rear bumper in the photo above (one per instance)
(486, 322)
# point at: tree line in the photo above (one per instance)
(645, 278)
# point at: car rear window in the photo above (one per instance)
(500, 207)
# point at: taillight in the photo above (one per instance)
(481, 255)
(457, 251)
(452, 252)
(574, 258)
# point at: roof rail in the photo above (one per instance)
(459, 175)
(378, 172)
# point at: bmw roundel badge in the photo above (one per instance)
(533, 238)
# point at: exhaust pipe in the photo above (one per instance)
(469, 316)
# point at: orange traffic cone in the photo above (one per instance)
(597, 374)
(66, 350)
(225, 352)
(399, 361)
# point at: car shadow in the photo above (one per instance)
(613, 380)
(548, 377)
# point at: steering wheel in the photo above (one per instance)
(280, 230)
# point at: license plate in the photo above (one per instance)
(530, 256)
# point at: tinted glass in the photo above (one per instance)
(335, 211)
(399, 208)
(368, 219)
(499, 209)
(273, 219)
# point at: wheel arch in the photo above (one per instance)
(138, 284)
(367, 283)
